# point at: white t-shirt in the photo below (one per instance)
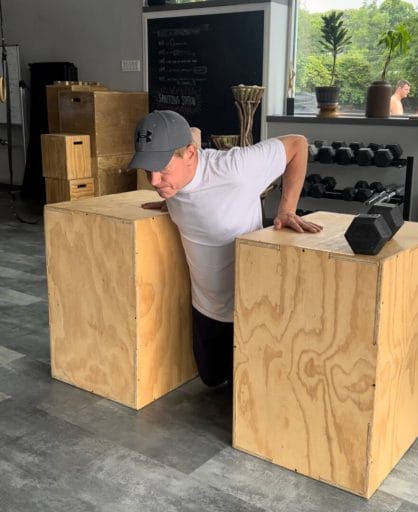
(219, 204)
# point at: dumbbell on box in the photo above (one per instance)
(369, 232)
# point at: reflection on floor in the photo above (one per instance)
(63, 449)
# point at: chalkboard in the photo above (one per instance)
(13, 64)
(194, 60)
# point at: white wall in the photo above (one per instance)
(95, 35)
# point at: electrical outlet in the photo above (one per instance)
(131, 65)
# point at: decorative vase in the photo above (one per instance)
(378, 99)
(327, 100)
(247, 99)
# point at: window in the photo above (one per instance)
(362, 61)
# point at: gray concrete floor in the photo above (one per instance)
(63, 449)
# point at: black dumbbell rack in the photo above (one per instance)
(400, 172)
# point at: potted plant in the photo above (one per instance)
(396, 42)
(334, 39)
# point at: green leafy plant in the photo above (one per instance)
(334, 38)
(396, 42)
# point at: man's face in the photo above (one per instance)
(405, 90)
(176, 174)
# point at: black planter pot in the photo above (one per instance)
(327, 100)
(378, 99)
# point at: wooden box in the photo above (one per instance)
(68, 190)
(109, 118)
(112, 175)
(52, 92)
(66, 156)
(326, 357)
(119, 298)
(142, 182)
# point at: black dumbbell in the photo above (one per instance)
(362, 188)
(349, 193)
(320, 189)
(310, 180)
(389, 155)
(320, 143)
(306, 187)
(344, 155)
(302, 212)
(364, 193)
(314, 178)
(330, 182)
(392, 215)
(355, 146)
(368, 232)
(326, 154)
(338, 144)
(312, 152)
(365, 156)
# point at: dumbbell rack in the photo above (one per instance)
(347, 175)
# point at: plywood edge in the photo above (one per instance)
(142, 404)
(65, 211)
(312, 477)
(137, 373)
(62, 378)
(368, 491)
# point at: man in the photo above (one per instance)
(213, 197)
(401, 91)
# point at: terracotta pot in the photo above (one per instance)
(378, 99)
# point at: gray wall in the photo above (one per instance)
(95, 35)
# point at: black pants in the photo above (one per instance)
(213, 348)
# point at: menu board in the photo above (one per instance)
(193, 61)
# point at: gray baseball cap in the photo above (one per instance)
(157, 136)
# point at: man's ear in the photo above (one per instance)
(190, 153)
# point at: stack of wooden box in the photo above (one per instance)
(110, 119)
(52, 95)
(66, 164)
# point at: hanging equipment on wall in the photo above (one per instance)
(5, 97)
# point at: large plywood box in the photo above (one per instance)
(119, 298)
(109, 118)
(112, 174)
(66, 157)
(52, 92)
(326, 352)
(68, 190)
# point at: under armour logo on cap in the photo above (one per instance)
(142, 138)
(157, 136)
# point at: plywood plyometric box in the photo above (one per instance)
(109, 117)
(52, 92)
(65, 156)
(119, 298)
(112, 174)
(68, 190)
(326, 352)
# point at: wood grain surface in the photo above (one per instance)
(119, 299)
(326, 354)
